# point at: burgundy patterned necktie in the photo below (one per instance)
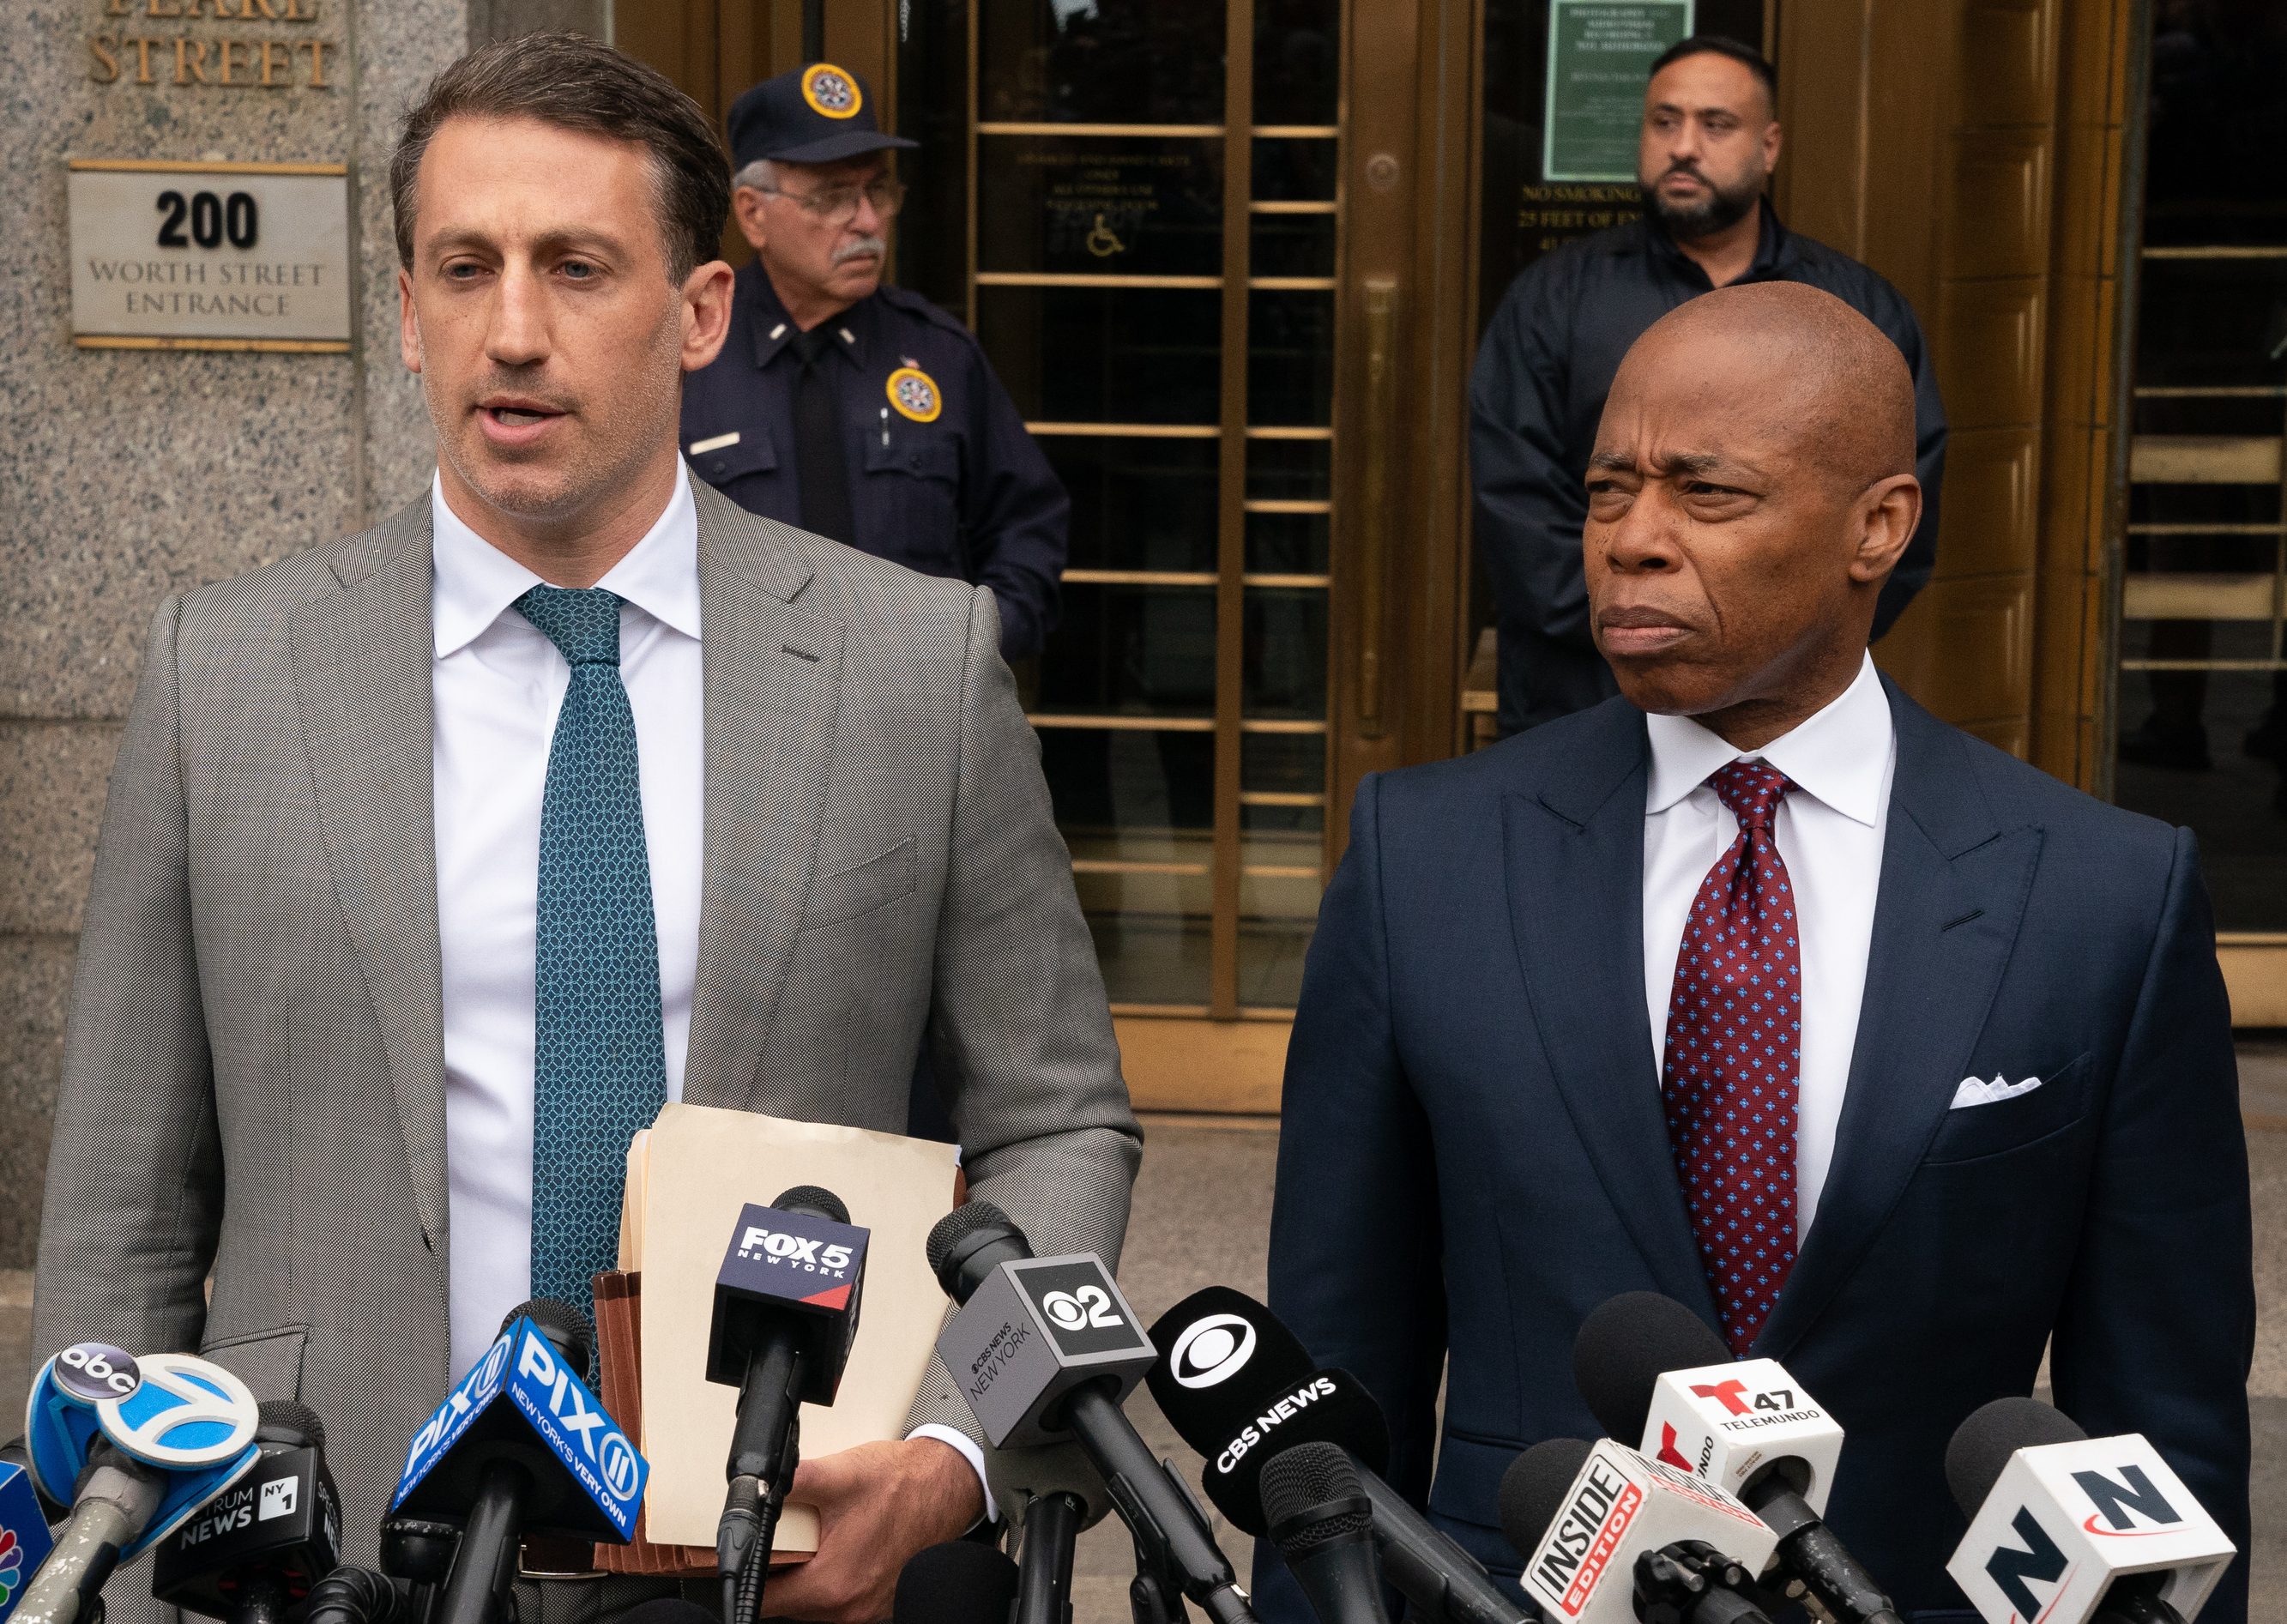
(1734, 1060)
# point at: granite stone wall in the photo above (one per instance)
(125, 475)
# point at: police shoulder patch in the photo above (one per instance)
(830, 91)
(915, 394)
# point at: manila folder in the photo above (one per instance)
(704, 1166)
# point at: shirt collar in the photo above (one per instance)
(1838, 755)
(475, 581)
(1771, 244)
(774, 329)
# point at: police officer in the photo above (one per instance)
(855, 409)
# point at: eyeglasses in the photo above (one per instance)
(838, 205)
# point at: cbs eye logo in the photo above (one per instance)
(1211, 1351)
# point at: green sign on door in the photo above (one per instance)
(1600, 53)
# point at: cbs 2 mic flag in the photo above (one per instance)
(1727, 1422)
(2066, 1520)
(1034, 1330)
(1621, 1504)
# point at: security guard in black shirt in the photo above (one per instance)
(1710, 137)
(852, 409)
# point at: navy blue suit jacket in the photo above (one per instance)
(1473, 1153)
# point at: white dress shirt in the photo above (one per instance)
(497, 688)
(1829, 832)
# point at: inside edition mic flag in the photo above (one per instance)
(2066, 1528)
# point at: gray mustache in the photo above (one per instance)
(875, 246)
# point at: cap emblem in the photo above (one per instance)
(830, 91)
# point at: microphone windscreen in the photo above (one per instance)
(1221, 1355)
(956, 1226)
(1328, 1407)
(1626, 1346)
(1983, 1445)
(563, 1326)
(1533, 1490)
(810, 1198)
(957, 1582)
(297, 1426)
(1019, 1477)
(1297, 1480)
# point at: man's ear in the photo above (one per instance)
(408, 325)
(706, 312)
(1887, 513)
(746, 208)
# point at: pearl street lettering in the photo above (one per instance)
(233, 61)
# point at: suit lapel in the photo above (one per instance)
(773, 686)
(1573, 850)
(362, 659)
(1952, 893)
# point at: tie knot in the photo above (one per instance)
(1752, 790)
(584, 623)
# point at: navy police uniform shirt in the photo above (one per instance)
(1543, 370)
(943, 477)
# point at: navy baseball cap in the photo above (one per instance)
(820, 113)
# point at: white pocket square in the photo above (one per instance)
(1977, 1091)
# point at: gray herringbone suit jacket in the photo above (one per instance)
(254, 1076)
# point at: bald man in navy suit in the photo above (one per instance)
(1898, 1060)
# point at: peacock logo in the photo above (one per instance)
(11, 1567)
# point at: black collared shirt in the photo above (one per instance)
(1546, 364)
(944, 479)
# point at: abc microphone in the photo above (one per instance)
(1651, 1369)
(2075, 1530)
(256, 1551)
(134, 1446)
(1043, 1346)
(1322, 1525)
(1239, 1387)
(786, 1310)
(521, 1447)
(1609, 1536)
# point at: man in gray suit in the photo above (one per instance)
(436, 859)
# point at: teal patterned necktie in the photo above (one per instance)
(599, 1071)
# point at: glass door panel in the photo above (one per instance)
(1152, 236)
(2202, 709)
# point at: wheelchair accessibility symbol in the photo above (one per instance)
(1103, 241)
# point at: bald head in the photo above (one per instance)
(1752, 486)
(1836, 384)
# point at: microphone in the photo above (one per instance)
(1233, 1381)
(1631, 1342)
(786, 1311)
(1689, 1550)
(1043, 1346)
(1049, 1493)
(256, 1550)
(351, 1595)
(521, 1446)
(417, 1554)
(134, 1446)
(1322, 1525)
(2075, 1530)
(958, 1582)
(25, 1540)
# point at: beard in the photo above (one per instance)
(1719, 210)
